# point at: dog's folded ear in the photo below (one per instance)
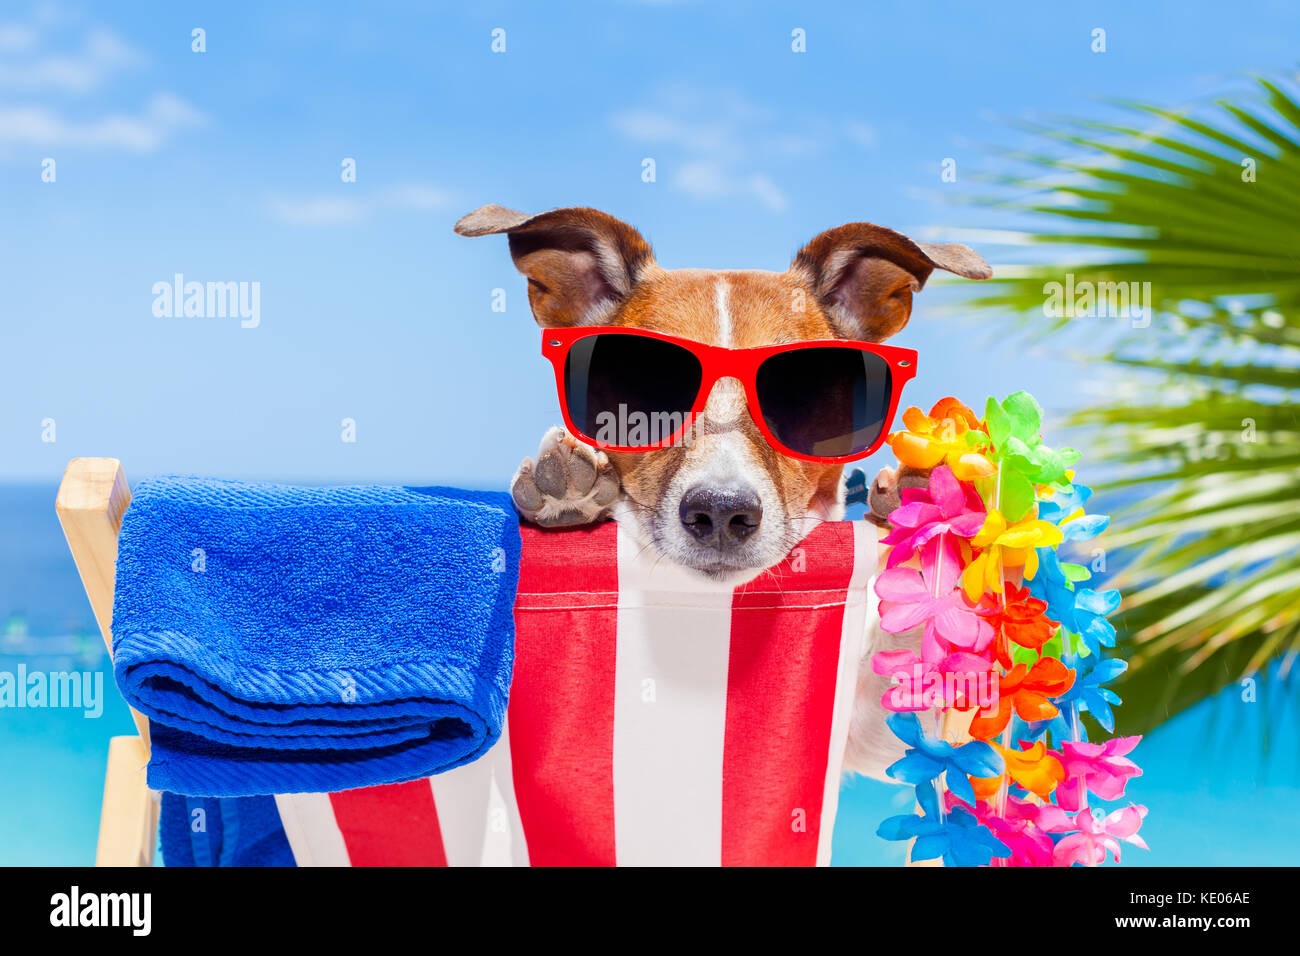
(864, 275)
(580, 263)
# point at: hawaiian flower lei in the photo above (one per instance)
(1011, 649)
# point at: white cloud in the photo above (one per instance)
(766, 191)
(53, 54)
(140, 132)
(316, 211)
(15, 37)
(650, 126)
(102, 54)
(860, 133)
(717, 144)
(335, 210)
(705, 179)
(416, 196)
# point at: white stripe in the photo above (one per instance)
(670, 704)
(724, 317)
(477, 812)
(314, 835)
(504, 843)
(503, 779)
(859, 611)
(497, 839)
(460, 797)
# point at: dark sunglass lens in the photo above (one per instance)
(630, 390)
(825, 402)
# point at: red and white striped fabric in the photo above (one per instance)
(654, 718)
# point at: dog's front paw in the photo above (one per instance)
(568, 484)
(886, 491)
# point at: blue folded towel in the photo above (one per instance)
(290, 639)
(222, 831)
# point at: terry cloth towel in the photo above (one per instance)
(222, 831)
(654, 718)
(285, 638)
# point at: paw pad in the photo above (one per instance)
(568, 483)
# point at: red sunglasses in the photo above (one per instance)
(631, 390)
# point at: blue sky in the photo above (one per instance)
(225, 166)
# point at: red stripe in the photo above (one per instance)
(561, 709)
(780, 701)
(392, 825)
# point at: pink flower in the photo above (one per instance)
(1102, 768)
(960, 679)
(1096, 835)
(910, 598)
(1048, 817)
(947, 505)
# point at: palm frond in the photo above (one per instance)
(1203, 435)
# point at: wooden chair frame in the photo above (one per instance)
(92, 498)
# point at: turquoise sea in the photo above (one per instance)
(1216, 796)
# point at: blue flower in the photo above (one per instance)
(1082, 611)
(1062, 504)
(927, 757)
(1085, 527)
(1090, 624)
(1053, 586)
(959, 839)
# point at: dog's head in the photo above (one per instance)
(723, 502)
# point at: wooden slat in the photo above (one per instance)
(92, 498)
(128, 821)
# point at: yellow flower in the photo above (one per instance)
(1034, 769)
(1006, 546)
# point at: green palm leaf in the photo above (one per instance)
(1203, 438)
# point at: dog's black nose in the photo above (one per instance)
(721, 517)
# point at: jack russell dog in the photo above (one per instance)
(710, 413)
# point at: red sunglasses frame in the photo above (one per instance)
(717, 362)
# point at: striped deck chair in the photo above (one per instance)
(654, 717)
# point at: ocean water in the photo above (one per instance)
(1215, 795)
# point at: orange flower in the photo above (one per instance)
(1027, 690)
(986, 788)
(1024, 622)
(929, 440)
(1034, 769)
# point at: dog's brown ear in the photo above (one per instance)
(580, 262)
(864, 275)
